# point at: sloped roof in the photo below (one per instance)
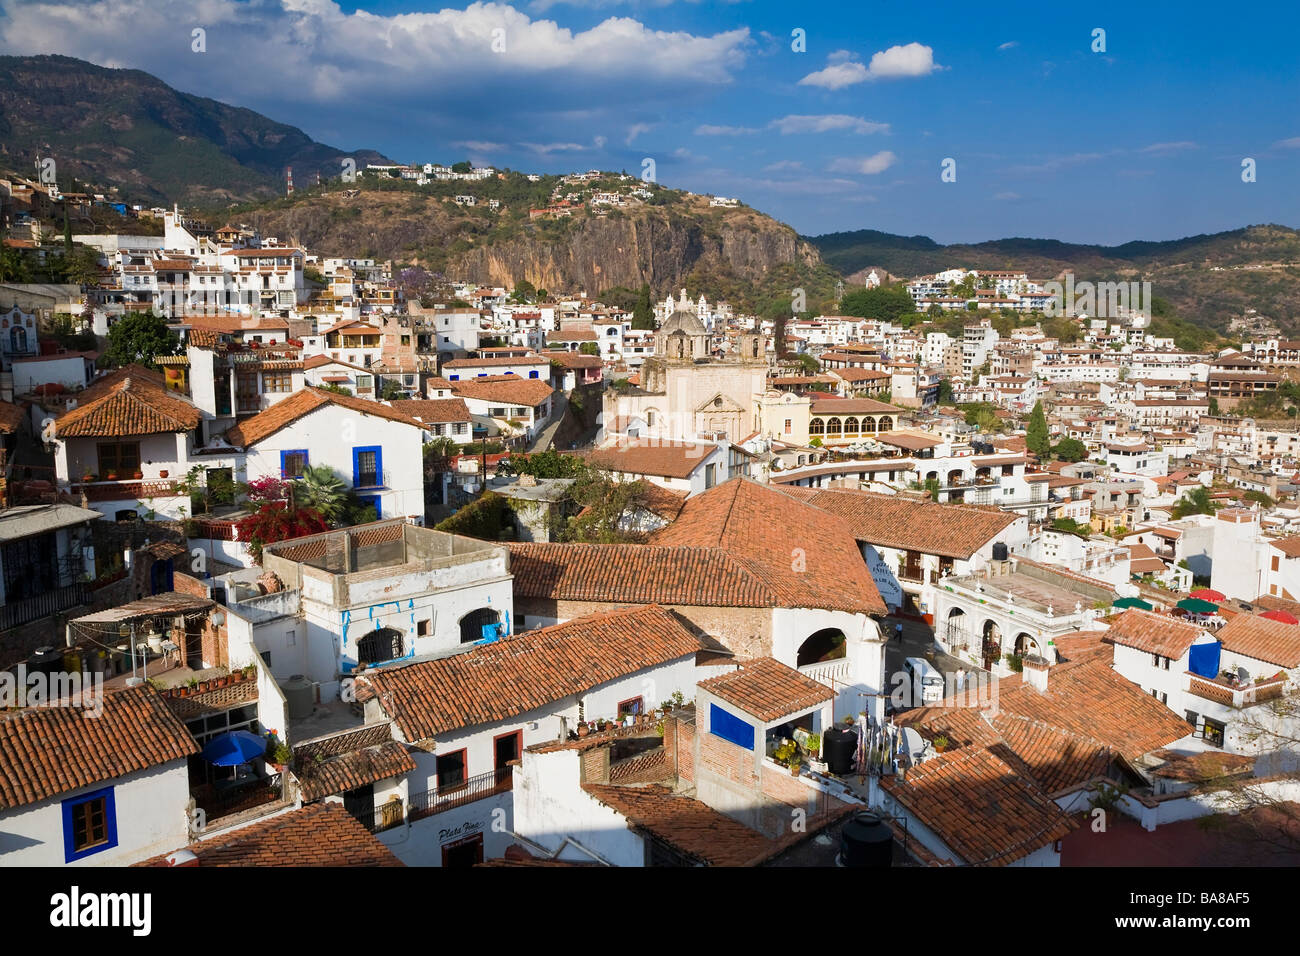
(48, 751)
(11, 417)
(516, 674)
(911, 524)
(664, 459)
(284, 413)
(129, 401)
(504, 388)
(808, 556)
(1264, 639)
(768, 689)
(434, 410)
(1153, 633)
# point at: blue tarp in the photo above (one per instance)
(1203, 659)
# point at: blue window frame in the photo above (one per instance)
(367, 466)
(373, 501)
(89, 824)
(293, 463)
(453, 378)
(534, 374)
(730, 727)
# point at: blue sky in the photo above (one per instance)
(1050, 139)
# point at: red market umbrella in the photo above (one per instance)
(1209, 594)
(1282, 616)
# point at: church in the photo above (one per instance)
(686, 391)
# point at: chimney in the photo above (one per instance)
(1035, 672)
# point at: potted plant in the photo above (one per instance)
(110, 475)
(788, 754)
(940, 743)
(666, 706)
(88, 477)
(582, 729)
(163, 473)
(137, 474)
(678, 699)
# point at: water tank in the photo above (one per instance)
(299, 696)
(839, 747)
(999, 551)
(46, 660)
(866, 840)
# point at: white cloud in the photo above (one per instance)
(710, 130)
(912, 59)
(827, 123)
(1010, 44)
(783, 165)
(635, 130)
(1177, 147)
(480, 146)
(313, 51)
(865, 165)
(600, 142)
(1006, 197)
(545, 149)
(1292, 143)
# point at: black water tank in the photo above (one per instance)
(840, 746)
(866, 840)
(999, 551)
(46, 660)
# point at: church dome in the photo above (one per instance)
(685, 322)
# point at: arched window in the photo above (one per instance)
(850, 425)
(18, 339)
(478, 625)
(384, 644)
(834, 426)
(886, 423)
(869, 424)
(817, 427)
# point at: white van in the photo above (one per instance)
(927, 682)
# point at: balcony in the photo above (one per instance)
(1235, 694)
(455, 795)
(14, 613)
(133, 489)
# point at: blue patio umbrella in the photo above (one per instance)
(234, 748)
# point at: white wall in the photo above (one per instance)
(550, 805)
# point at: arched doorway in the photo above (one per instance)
(384, 644)
(1026, 644)
(955, 629)
(479, 625)
(992, 644)
(828, 644)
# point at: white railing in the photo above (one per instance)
(825, 671)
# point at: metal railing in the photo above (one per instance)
(455, 795)
(14, 613)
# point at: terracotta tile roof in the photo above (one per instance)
(434, 410)
(1152, 633)
(858, 374)
(504, 388)
(853, 406)
(911, 524)
(1262, 638)
(573, 359)
(1084, 645)
(319, 361)
(687, 825)
(11, 417)
(661, 458)
(571, 335)
(1143, 560)
(664, 502)
(323, 834)
(284, 413)
(980, 806)
(636, 574)
(1057, 759)
(908, 440)
(516, 674)
(768, 689)
(1289, 546)
(48, 751)
(236, 323)
(1092, 701)
(130, 401)
(807, 555)
(348, 771)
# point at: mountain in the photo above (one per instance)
(157, 144)
(676, 241)
(1208, 279)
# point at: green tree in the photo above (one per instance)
(945, 391)
(461, 167)
(139, 337)
(589, 348)
(13, 265)
(323, 491)
(1037, 438)
(1259, 497)
(882, 302)
(1070, 449)
(1195, 502)
(548, 464)
(524, 291)
(643, 315)
(389, 390)
(808, 364)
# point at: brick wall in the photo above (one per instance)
(679, 747)
(725, 759)
(595, 765)
(650, 767)
(185, 584)
(215, 643)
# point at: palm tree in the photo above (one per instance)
(323, 491)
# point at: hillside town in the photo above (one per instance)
(323, 561)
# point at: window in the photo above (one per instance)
(367, 467)
(290, 637)
(122, 459)
(497, 412)
(1191, 717)
(710, 475)
(277, 382)
(506, 748)
(1214, 732)
(365, 381)
(450, 769)
(535, 374)
(789, 426)
(89, 824)
(461, 428)
(293, 463)
(633, 706)
(422, 628)
(378, 646)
